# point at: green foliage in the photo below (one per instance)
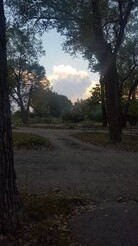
(127, 59)
(86, 25)
(17, 114)
(47, 103)
(132, 114)
(96, 29)
(40, 120)
(16, 118)
(95, 98)
(73, 117)
(96, 113)
(133, 109)
(78, 113)
(24, 71)
(30, 141)
(86, 109)
(23, 48)
(127, 64)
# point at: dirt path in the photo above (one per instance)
(76, 167)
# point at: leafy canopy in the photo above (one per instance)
(88, 25)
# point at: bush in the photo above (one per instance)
(16, 118)
(96, 114)
(40, 120)
(132, 115)
(73, 117)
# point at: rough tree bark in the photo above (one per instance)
(10, 203)
(103, 106)
(108, 70)
(112, 96)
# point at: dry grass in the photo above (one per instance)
(47, 219)
(129, 142)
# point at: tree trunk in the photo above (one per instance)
(132, 93)
(28, 104)
(10, 203)
(25, 109)
(24, 115)
(104, 116)
(113, 105)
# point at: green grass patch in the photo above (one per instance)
(30, 141)
(47, 219)
(129, 142)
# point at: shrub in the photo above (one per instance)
(73, 117)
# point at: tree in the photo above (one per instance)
(132, 115)
(98, 98)
(25, 73)
(47, 103)
(94, 28)
(127, 64)
(25, 81)
(96, 95)
(10, 203)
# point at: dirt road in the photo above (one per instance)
(78, 168)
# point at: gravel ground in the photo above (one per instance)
(77, 168)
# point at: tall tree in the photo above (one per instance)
(96, 29)
(10, 203)
(47, 103)
(127, 64)
(25, 73)
(22, 84)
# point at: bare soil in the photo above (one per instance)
(76, 168)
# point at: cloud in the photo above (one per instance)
(87, 93)
(67, 81)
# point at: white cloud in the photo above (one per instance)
(87, 93)
(63, 72)
(68, 81)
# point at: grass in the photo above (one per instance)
(47, 219)
(52, 126)
(30, 141)
(129, 142)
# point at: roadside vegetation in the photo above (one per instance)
(30, 141)
(129, 142)
(47, 218)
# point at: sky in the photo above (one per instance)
(69, 76)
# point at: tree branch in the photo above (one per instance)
(98, 30)
(109, 22)
(120, 11)
(29, 99)
(129, 73)
(55, 8)
(123, 22)
(15, 99)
